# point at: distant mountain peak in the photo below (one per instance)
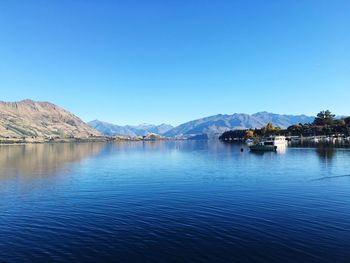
(143, 129)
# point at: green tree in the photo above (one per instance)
(324, 118)
(347, 120)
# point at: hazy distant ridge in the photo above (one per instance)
(110, 129)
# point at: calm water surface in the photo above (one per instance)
(189, 201)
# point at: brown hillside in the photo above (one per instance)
(29, 118)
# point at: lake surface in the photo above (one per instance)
(176, 201)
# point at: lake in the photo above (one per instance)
(173, 201)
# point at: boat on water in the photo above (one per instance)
(264, 146)
(269, 144)
(276, 140)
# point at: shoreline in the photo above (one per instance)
(105, 139)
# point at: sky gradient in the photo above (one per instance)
(130, 62)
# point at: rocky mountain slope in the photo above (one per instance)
(29, 118)
(128, 130)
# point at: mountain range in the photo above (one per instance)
(217, 124)
(211, 126)
(30, 118)
(129, 130)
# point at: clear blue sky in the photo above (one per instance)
(155, 61)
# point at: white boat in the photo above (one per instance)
(277, 140)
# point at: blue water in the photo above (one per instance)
(177, 201)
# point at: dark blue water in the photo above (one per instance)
(187, 201)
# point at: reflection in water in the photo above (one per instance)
(200, 201)
(282, 148)
(42, 159)
(325, 153)
(189, 146)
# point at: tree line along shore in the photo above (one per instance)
(325, 129)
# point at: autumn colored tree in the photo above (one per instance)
(341, 122)
(250, 134)
(269, 126)
(270, 130)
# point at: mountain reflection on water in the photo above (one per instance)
(43, 159)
